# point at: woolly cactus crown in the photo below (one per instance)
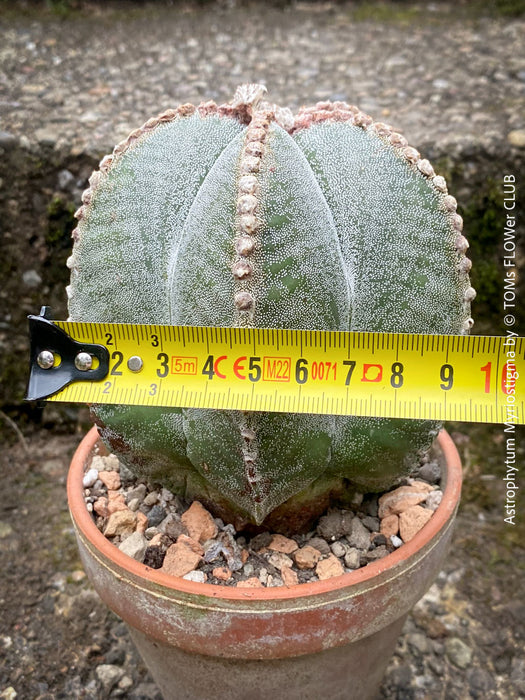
(244, 215)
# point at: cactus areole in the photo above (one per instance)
(246, 215)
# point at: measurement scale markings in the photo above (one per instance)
(325, 394)
(497, 372)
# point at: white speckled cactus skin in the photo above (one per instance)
(244, 215)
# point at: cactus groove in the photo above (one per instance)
(246, 215)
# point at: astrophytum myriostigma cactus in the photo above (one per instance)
(244, 215)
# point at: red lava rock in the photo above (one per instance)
(329, 567)
(110, 479)
(389, 525)
(180, 559)
(412, 520)
(199, 523)
(280, 561)
(101, 506)
(190, 543)
(142, 522)
(306, 557)
(115, 495)
(116, 501)
(404, 497)
(222, 573)
(283, 544)
(120, 522)
(250, 583)
(289, 577)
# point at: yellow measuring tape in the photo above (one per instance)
(459, 378)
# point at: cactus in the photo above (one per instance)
(244, 215)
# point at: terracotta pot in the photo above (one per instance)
(328, 639)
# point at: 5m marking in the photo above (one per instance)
(183, 365)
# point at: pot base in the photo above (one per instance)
(341, 673)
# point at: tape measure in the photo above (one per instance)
(391, 375)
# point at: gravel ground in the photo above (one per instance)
(449, 76)
(85, 82)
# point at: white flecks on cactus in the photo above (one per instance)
(402, 258)
(129, 236)
(243, 214)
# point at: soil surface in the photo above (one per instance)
(465, 639)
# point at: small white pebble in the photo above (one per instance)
(196, 577)
(396, 541)
(434, 499)
(90, 478)
(248, 570)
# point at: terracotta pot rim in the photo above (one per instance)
(84, 522)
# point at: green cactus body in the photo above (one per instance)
(242, 215)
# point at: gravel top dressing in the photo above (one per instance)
(157, 528)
